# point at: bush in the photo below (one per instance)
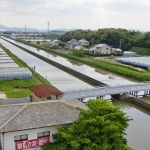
(78, 53)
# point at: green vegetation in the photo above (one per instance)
(111, 36)
(128, 71)
(77, 53)
(19, 88)
(101, 127)
(141, 51)
(16, 88)
(101, 55)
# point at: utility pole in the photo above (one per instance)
(34, 76)
(25, 30)
(120, 44)
(45, 79)
(48, 28)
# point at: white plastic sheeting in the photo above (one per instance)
(129, 54)
(15, 73)
(143, 62)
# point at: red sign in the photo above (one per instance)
(31, 144)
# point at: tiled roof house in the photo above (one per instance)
(30, 125)
(45, 92)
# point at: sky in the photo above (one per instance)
(76, 14)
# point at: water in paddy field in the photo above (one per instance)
(138, 130)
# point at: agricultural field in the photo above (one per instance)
(19, 88)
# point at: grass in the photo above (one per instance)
(141, 51)
(22, 86)
(8, 87)
(127, 71)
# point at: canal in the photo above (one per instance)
(138, 132)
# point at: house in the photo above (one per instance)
(101, 49)
(44, 92)
(118, 50)
(82, 44)
(75, 44)
(29, 126)
(53, 43)
(71, 44)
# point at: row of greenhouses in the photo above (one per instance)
(142, 62)
(15, 74)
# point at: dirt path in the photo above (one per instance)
(115, 62)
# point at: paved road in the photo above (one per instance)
(14, 101)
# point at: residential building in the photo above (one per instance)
(101, 49)
(75, 44)
(53, 43)
(28, 36)
(44, 92)
(29, 126)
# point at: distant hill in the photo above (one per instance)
(16, 29)
(142, 31)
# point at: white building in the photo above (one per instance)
(75, 44)
(101, 49)
(29, 126)
(53, 43)
(118, 50)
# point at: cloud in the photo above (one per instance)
(77, 13)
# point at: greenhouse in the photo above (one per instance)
(15, 74)
(129, 54)
(8, 65)
(142, 62)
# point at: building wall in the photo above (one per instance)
(78, 47)
(44, 98)
(104, 50)
(9, 143)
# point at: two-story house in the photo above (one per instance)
(101, 49)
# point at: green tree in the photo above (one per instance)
(38, 42)
(111, 57)
(101, 127)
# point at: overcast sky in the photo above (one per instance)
(81, 14)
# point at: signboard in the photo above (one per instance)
(34, 144)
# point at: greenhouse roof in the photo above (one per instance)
(15, 73)
(143, 62)
(8, 65)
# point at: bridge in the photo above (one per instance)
(101, 91)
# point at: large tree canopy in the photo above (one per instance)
(101, 127)
(111, 36)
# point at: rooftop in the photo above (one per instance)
(37, 115)
(100, 45)
(43, 90)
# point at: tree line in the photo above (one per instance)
(111, 36)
